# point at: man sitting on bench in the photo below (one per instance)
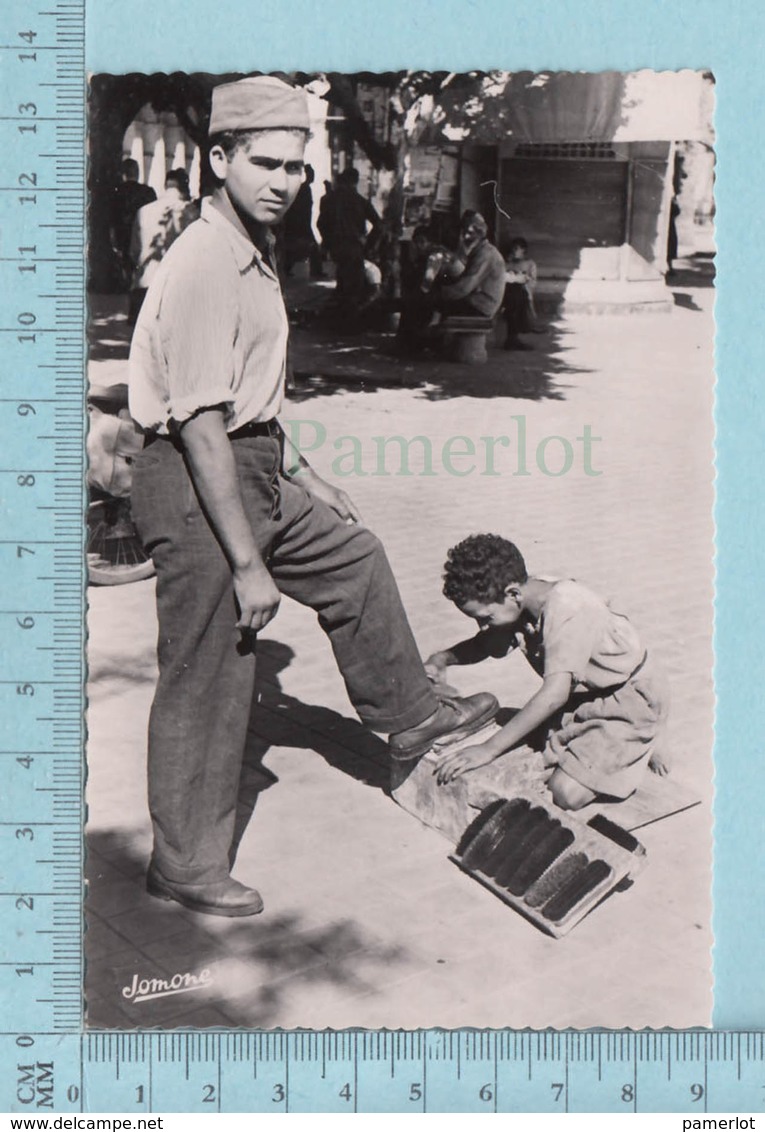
(470, 285)
(480, 288)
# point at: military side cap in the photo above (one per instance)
(262, 103)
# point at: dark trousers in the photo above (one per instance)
(517, 307)
(202, 704)
(417, 310)
(349, 271)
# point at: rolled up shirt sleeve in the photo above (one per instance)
(198, 321)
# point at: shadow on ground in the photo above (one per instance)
(696, 270)
(686, 301)
(109, 332)
(326, 359)
(247, 968)
(281, 720)
(254, 961)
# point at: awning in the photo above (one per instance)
(572, 107)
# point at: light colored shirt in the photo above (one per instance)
(212, 331)
(579, 633)
(521, 271)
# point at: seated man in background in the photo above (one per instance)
(467, 282)
(480, 288)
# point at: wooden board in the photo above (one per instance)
(656, 799)
(450, 809)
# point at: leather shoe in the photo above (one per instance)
(215, 898)
(455, 719)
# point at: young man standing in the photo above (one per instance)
(346, 237)
(233, 517)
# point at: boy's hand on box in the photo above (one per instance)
(435, 670)
(469, 758)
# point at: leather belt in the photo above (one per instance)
(257, 428)
(254, 428)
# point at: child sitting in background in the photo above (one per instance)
(520, 281)
(602, 701)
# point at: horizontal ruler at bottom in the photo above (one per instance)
(368, 1071)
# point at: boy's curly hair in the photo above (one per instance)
(480, 568)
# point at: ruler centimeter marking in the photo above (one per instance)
(371, 1071)
(48, 1063)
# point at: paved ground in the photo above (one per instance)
(367, 923)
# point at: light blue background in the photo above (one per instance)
(727, 38)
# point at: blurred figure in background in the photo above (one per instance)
(129, 196)
(348, 223)
(299, 240)
(421, 265)
(156, 227)
(520, 281)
